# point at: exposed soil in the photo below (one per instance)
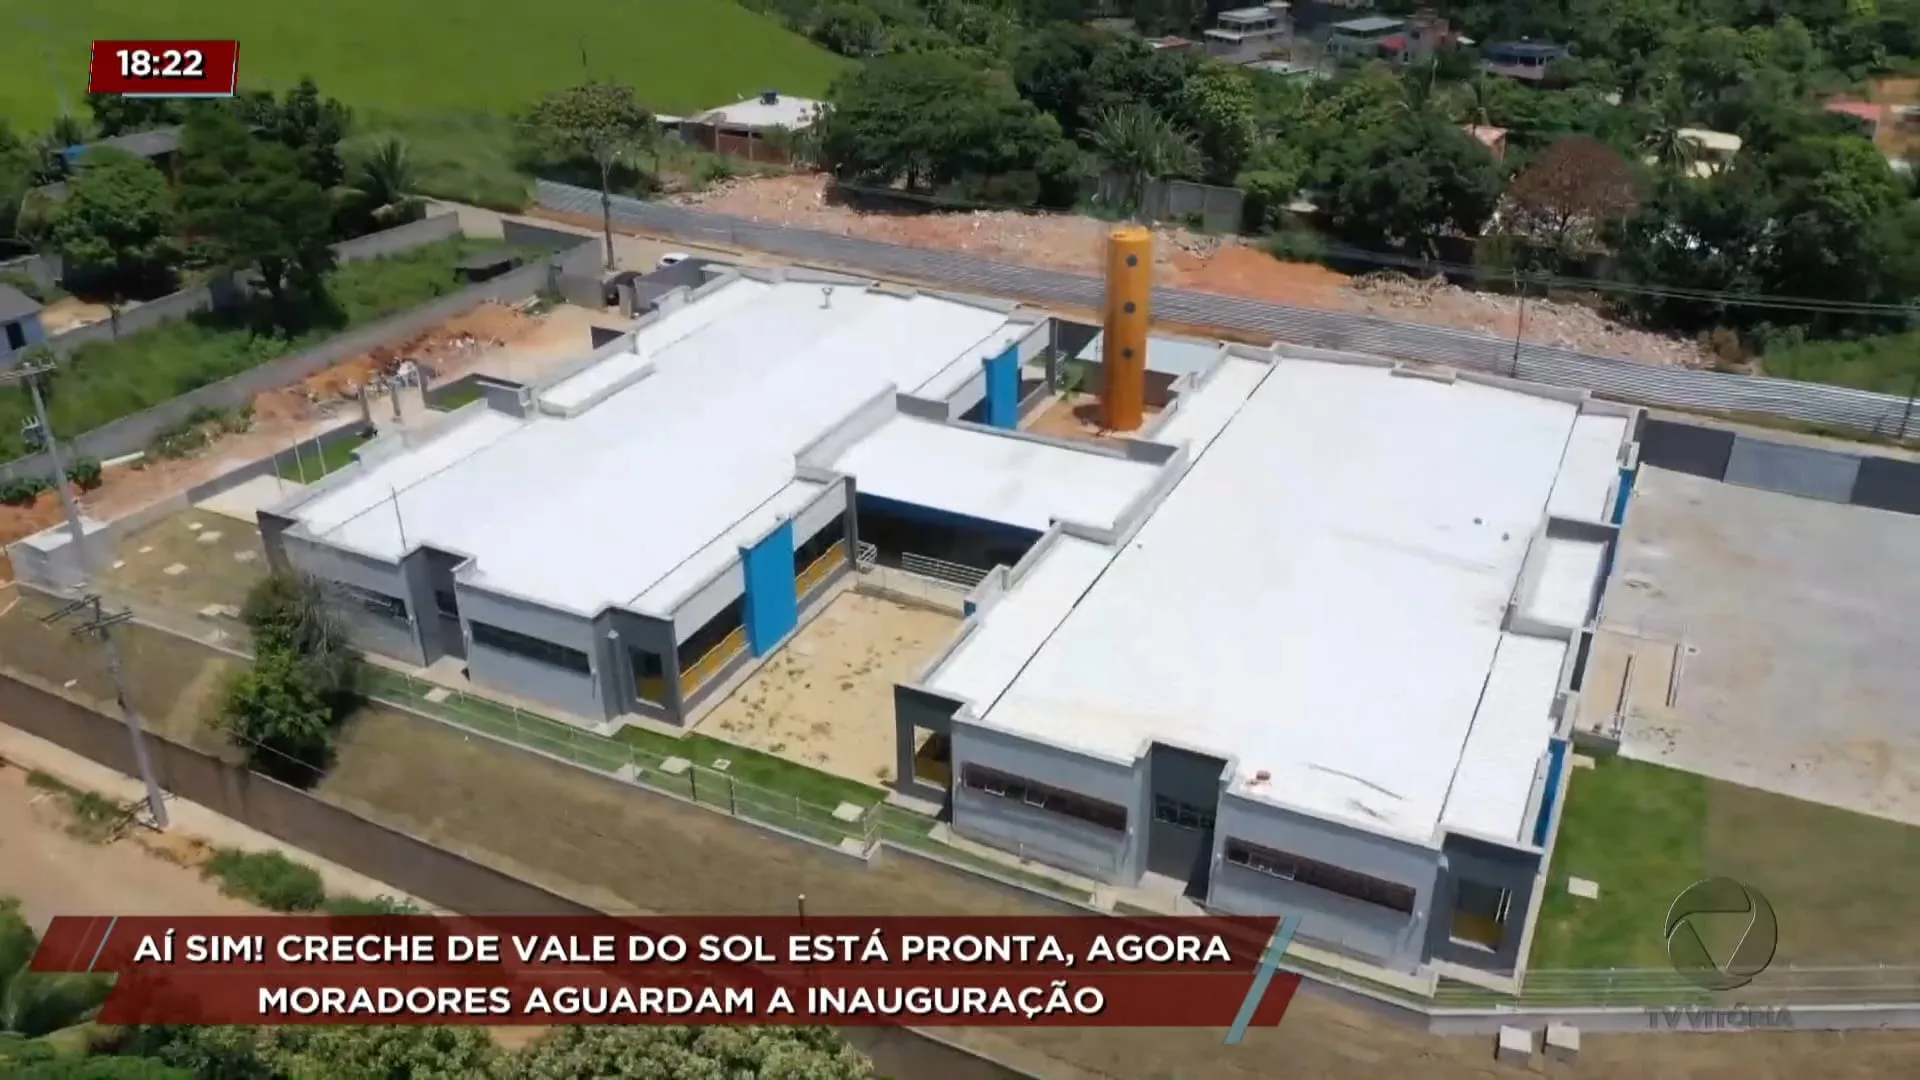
(1075, 416)
(1192, 261)
(449, 348)
(825, 697)
(71, 313)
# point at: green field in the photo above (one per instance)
(439, 72)
(1841, 884)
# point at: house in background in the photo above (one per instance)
(748, 128)
(1524, 60)
(1249, 29)
(19, 324)
(1713, 150)
(1493, 138)
(1865, 114)
(1364, 38)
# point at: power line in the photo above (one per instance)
(31, 373)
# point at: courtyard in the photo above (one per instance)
(825, 698)
(198, 561)
(1795, 623)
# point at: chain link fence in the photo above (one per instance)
(1883, 415)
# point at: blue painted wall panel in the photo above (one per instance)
(1626, 492)
(773, 609)
(1003, 389)
(1556, 765)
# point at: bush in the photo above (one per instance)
(21, 490)
(277, 714)
(1297, 245)
(85, 473)
(266, 878)
(379, 905)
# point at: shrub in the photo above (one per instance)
(85, 473)
(266, 878)
(21, 490)
(277, 714)
(379, 905)
(1297, 245)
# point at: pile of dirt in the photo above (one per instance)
(1188, 260)
(447, 347)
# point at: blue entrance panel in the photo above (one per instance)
(773, 610)
(1627, 477)
(1556, 767)
(1003, 389)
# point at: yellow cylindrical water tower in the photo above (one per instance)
(1123, 349)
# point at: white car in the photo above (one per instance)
(671, 258)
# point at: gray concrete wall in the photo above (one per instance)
(1512, 869)
(1041, 834)
(574, 692)
(1368, 931)
(388, 637)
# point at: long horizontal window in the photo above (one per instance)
(531, 648)
(1040, 797)
(1181, 814)
(377, 603)
(1321, 875)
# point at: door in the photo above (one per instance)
(16, 337)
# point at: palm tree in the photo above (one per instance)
(382, 187)
(32, 1005)
(1138, 144)
(1475, 103)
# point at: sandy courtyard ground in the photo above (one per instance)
(1801, 621)
(826, 697)
(1074, 416)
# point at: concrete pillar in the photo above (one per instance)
(1123, 352)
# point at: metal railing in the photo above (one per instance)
(817, 570)
(1781, 984)
(713, 660)
(1618, 377)
(965, 577)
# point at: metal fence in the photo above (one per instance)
(1781, 984)
(1616, 377)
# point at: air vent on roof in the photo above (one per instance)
(769, 97)
(826, 296)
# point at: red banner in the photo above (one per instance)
(1067, 971)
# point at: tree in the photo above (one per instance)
(66, 1067)
(1399, 187)
(1567, 198)
(275, 711)
(931, 121)
(244, 203)
(18, 166)
(378, 1053)
(1053, 69)
(289, 613)
(1139, 145)
(690, 1053)
(381, 190)
(118, 114)
(848, 29)
(1218, 104)
(34, 1005)
(116, 225)
(599, 121)
(303, 121)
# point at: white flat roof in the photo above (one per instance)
(786, 112)
(1321, 597)
(652, 489)
(993, 477)
(1591, 467)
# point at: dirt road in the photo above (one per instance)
(55, 873)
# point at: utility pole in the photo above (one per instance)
(30, 372)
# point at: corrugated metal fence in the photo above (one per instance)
(1811, 403)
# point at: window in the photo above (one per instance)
(443, 600)
(531, 648)
(377, 603)
(1184, 815)
(1321, 875)
(1041, 797)
(16, 337)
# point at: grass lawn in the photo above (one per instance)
(1883, 363)
(439, 72)
(107, 380)
(333, 457)
(1840, 883)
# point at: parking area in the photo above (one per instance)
(1796, 623)
(825, 698)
